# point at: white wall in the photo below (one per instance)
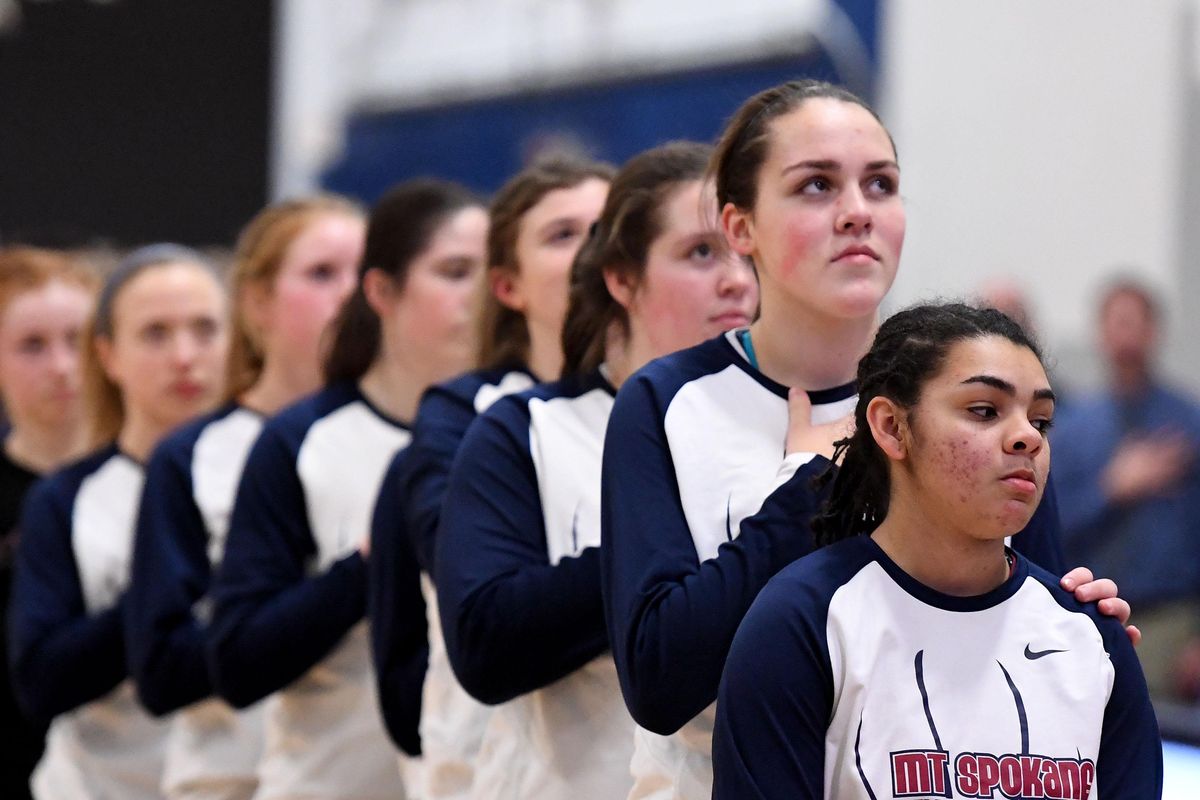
(1045, 141)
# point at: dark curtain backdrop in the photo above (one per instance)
(130, 121)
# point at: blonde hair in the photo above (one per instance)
(26, 269)
(261, 247)
(23, 269)
(102, 397)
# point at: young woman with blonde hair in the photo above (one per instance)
(290, 594)
(45, 297)
(294, 265)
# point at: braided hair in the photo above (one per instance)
(909, 348)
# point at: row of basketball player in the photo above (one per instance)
(427, 549)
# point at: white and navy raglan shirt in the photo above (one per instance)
(518, 583)
(66, 636)
(182, 526)
(849, 679)
(434, 716)
(290, 598)
(699, 510)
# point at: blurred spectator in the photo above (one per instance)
(1129, 487)
(1007, 296)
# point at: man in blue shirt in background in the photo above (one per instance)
(1126, 470)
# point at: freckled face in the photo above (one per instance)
(828, 223)
(978, 457)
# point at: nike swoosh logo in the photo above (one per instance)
(728, 526)
(1033, 655)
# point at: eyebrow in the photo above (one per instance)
(833, 166)
(1007, 388)
(565, 219)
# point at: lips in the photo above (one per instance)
(1024, 481)
(730, 320)
(188, 390)
(857, 252)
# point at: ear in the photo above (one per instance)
(506, 286)
(738, 227)
(889, 427)
(105, 356)
(379, 290)
(621, 285)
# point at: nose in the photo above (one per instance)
(737, 278)
(854, 212)
(349, 280)
(184, 348)
(1025, 440)
(64, 358)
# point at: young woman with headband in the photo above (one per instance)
(290, 594)
(538, 221)
(45, 298)
(154, 356)
(809, 186)
(295, 263)
(915, 654)
(517, 569)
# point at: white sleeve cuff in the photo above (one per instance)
(791, 463)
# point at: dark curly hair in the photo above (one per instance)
(909, 348)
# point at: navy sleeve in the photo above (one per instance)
(1041, 540)
(441, 423)
(1130, 762)
(170, 573)
(62, 657)
(671, 618)
(272, 621)
(399, 634)
(775, 702)
(512, 622)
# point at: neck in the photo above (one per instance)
(139, 435)
(44, 448)
(279, 385)
(395, 387)
(545, 353)
(796, 347)
(1130, 380)
(949, 561)
(625, 355)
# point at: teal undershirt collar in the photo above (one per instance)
(748, 346)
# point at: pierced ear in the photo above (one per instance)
(622, 285)
(379, 289)
(506, 286)
(738, 227)
(889, 427)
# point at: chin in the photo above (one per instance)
(857, 300)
